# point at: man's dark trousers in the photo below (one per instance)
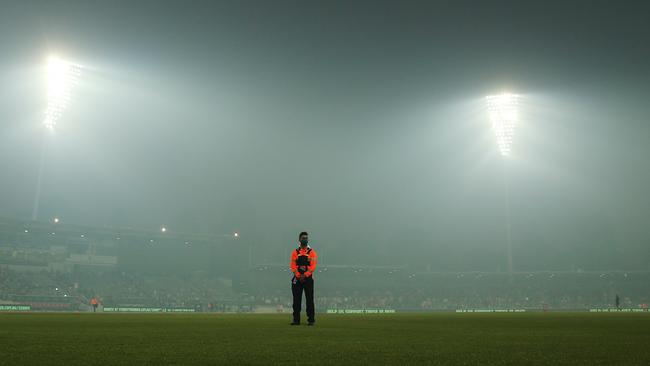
(297, 288)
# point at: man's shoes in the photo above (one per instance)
(294, 323)
(311, 324)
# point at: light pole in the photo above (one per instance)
(39, 180)
(503, 115)
(61, 78)
(235, 236)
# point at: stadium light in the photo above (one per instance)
(503, 113)
(503, 116)
(56, 220)
(61, 77)
(163, 229)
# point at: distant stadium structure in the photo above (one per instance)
(55, 266)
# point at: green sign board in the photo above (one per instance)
(147, 310)
(614, 310)
(360, 311)
(15, 308)
(490, 310)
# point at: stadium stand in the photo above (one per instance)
(54, 267)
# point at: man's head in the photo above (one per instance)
(303, 238)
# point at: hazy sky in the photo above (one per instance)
(361, 122)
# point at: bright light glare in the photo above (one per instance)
(502, 111)
(61, 77)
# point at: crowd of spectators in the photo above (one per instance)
(116, 288)
(389, 289)
(336, 289)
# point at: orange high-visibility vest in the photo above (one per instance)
(303, 262)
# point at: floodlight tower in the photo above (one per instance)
(503, 115)
(62, 76)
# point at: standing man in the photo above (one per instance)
(94, 303)
(303, 265)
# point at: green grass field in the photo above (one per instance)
(390, 339)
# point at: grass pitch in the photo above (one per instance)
(378, 339)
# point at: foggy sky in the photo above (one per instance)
(361, 122)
